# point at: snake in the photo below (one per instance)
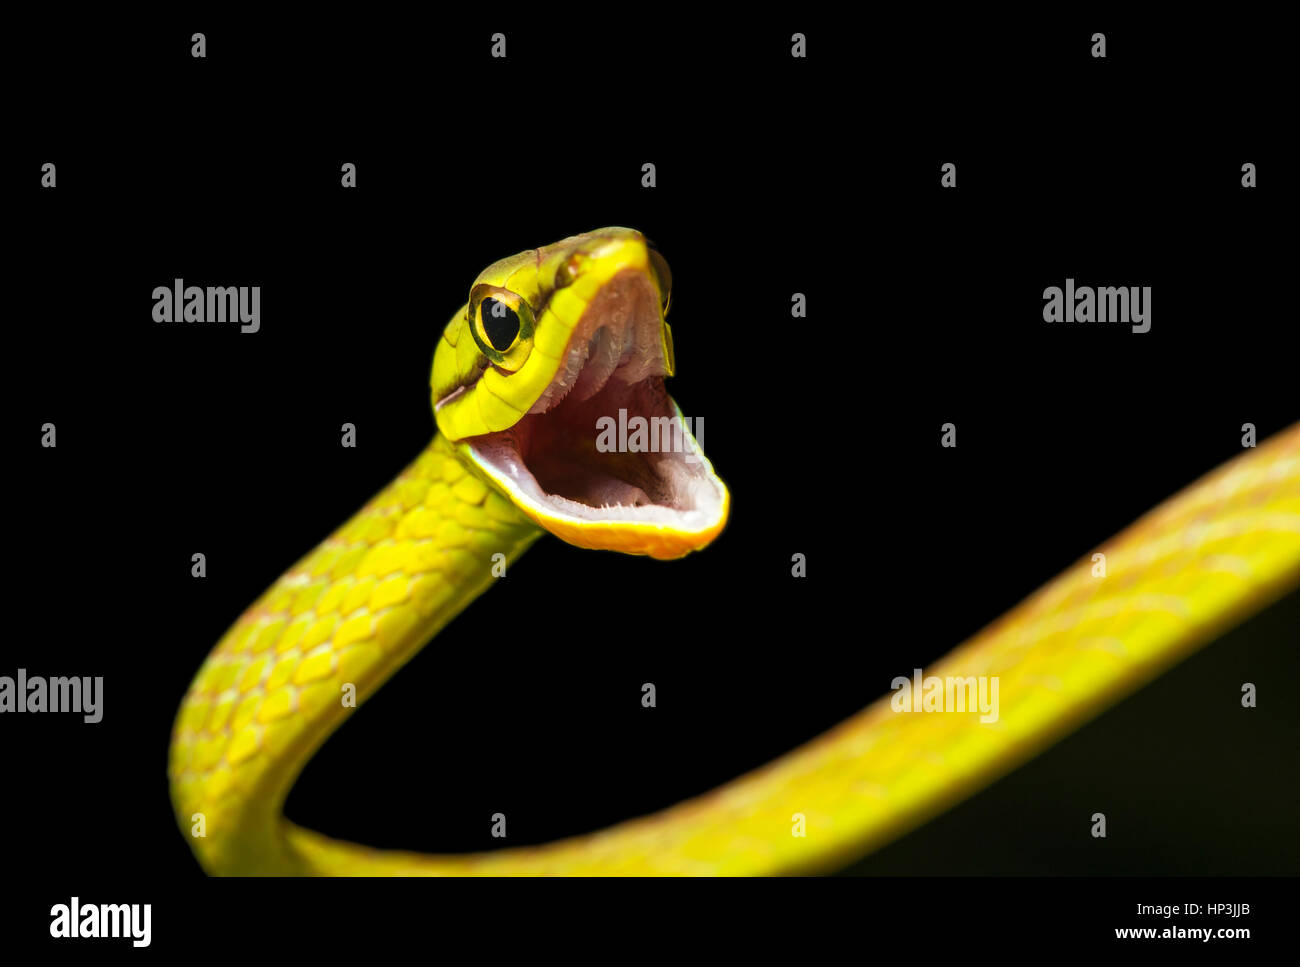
(527, 381)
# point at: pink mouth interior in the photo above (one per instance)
(614, 362)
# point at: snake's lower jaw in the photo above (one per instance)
(621, 471)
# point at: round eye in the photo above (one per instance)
(500, 324)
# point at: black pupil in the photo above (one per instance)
(499, 323)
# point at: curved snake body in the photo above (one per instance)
(590, 333)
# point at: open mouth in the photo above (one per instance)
(605, 441)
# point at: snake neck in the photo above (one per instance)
(319, 642)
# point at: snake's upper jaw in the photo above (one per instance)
(604, 458)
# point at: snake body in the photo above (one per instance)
(582, 329)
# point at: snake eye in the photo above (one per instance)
(500, 324)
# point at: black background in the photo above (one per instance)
(774, 176)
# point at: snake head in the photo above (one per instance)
(550, 381)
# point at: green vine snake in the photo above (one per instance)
(550, 341)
